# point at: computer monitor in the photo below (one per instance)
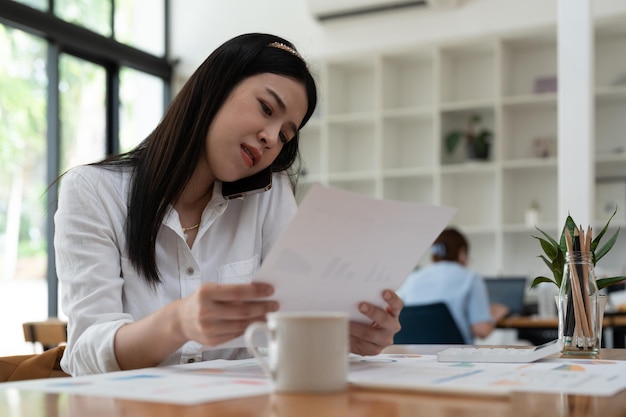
(507, 290)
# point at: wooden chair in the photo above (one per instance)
(50, 333)
(428, 324)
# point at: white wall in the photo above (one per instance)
(199, 26)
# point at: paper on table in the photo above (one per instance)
(187, 384)
(423, 373)
(342, 248)
(221, 380)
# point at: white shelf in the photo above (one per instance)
(419, 189)
(469, 167)
(528, 64)
(362, 186)
(383, 115)
(530, 131)
(404, 147)
(351, 83)
(468, 72)
(407, 80)
(353, 147)
(529, 163)
(468, 105)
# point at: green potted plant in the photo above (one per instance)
(554, 254)
(477, 138)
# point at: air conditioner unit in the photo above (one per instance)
(334, 9)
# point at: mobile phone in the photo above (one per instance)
(259, 182)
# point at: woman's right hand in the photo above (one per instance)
(212, 315)
(217, 313)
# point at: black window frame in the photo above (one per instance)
(67, 38)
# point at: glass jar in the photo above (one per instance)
(580, 324)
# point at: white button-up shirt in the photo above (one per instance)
(101, 290)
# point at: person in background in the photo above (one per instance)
(449, 280)
(156, 248)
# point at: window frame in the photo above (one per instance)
(67, 38)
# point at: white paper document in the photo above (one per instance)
(342, 248)
(423, 373)
(186, 384)
(220, 380)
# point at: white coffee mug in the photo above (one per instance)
(307, 351)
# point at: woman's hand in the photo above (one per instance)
(371, 339)
(217, 313)
(213, 314)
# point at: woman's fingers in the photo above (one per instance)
(384, 318)
(221, 331)
(235, 292)
(370, 339)
(238, 310)
(394, 302)
(218, 313)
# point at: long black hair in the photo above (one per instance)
(164, 162)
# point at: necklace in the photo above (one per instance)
(186, 229)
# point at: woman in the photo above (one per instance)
(449, 280)
(155, 262)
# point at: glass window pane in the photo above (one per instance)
(141, 24)
(82, 87)
(141, 106)
(23, 259)
(94, 15)
(35, 4)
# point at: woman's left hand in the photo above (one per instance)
(371, 339)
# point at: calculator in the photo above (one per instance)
(499, 354)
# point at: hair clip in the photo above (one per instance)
(285, 47)
(438, 249)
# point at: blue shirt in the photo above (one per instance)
(463, 291)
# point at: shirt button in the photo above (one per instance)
(190, 271)
(191, 360)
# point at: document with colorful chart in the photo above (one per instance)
(423, 373)
(186, 384)
(220, 380)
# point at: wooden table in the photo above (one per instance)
(533, 322)
(355, 402)
(539, 330)
(534, 329)
(523, 322)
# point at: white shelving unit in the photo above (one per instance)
(382, 117)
